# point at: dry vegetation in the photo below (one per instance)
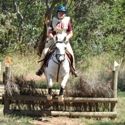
(81, 88)
(75, 88)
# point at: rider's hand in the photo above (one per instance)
(51, 36)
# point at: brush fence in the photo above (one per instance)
(71, 106)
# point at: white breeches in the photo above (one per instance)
(69, 48)
(45, 50)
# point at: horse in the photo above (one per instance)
(58, 68)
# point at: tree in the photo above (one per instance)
(98, 25)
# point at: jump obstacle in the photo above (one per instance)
(35, 105)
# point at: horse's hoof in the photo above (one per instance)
(49, 97)
(61, 98)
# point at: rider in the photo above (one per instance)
(59, 24)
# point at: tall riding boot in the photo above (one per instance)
(73, 71)
(40, 71)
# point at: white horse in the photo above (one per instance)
(58, 68)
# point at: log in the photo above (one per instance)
(115, 79)
(1, 100)
(6, 74)
(66, 99)
(6, 78)
(72, 99)
(85, 114)
(6, 106)
(30, 113)
(69, 114)
(115, 83)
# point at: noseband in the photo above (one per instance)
(57, 56)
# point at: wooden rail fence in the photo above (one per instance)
(74, 107)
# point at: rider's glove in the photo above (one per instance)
(54, 38)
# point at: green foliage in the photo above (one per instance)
(98, 26)
(21, 26)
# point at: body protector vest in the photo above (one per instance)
(60, 26)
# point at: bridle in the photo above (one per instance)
(55, 58)
(56, 55)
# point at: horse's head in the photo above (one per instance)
(60, 48)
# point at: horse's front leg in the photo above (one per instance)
(50, 84)
(63, 84)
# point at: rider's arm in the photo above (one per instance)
(69, 31)
(69, 35)
(50, 32)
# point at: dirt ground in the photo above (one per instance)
(57, 121)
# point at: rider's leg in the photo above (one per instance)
(40, 71)
(69, 48)
(47, 45)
